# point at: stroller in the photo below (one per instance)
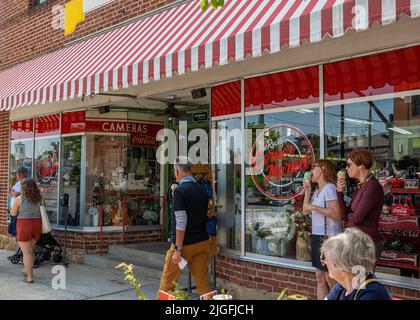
(45, 248)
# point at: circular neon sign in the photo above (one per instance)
(279, 158)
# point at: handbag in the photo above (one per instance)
(46, 226)
(11, 228)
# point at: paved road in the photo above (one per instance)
(82, 283)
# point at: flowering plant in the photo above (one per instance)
(302, 221)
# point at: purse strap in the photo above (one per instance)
(325, 220)
(364, 284)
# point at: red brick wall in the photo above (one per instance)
(90, 242)
(27, 32)
(275, 279)
(4, 160)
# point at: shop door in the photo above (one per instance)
(195, 119)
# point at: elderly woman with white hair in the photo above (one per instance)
(350, 258)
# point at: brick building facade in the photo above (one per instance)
(26, 33)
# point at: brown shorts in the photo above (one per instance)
(28, 229)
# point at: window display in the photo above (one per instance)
(279, 155)
(122, 175)
(121, 179)
(390, 130)
(46, 174)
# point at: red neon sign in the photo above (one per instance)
(279, 158)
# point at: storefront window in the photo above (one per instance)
(122, 179)
(390, 129)
(46, 173)
(280, 148)
(143, 186)
(106, 161)
(228, 182)
(70, 181)
(21, 155)
(21, 148)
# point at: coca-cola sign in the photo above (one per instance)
(399, 257)
(279, 158)
(143, 140)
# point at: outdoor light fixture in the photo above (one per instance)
(399, 130)
(358, 121)
(104, 109)
(198, 93)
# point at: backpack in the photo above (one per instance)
(207, 186)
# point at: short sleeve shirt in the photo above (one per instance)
(16, 188)
(319, 199)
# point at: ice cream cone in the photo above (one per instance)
(341, 174)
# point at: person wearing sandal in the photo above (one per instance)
(29, 226)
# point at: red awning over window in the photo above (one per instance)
(388, 72)
(183, 38)
(226, 99)
(283, 89)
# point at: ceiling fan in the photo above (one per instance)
(171, 110)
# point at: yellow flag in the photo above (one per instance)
(73, 15)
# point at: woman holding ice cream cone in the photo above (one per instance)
(367, 200)
(326, 217)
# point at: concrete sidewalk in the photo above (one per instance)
(82, 283)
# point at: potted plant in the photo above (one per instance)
(303, 245)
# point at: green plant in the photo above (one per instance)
(179, 294)
(204, 4)
(302, 221)
(284, 296)
(130, 277)
(263, 232)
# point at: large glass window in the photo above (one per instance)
(228, 182)
(390, 129)
(280, 148)
(121, 179)
(106, 161)
(46, 173)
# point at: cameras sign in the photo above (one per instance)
(279, 158)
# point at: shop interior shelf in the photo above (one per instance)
(398, 265)
(405, 191)
(399, 222)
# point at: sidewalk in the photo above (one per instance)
(82, 283)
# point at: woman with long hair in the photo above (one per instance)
(29, 226)
(326, 217)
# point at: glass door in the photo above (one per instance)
(70, 181)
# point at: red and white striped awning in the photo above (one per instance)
(184, 39)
